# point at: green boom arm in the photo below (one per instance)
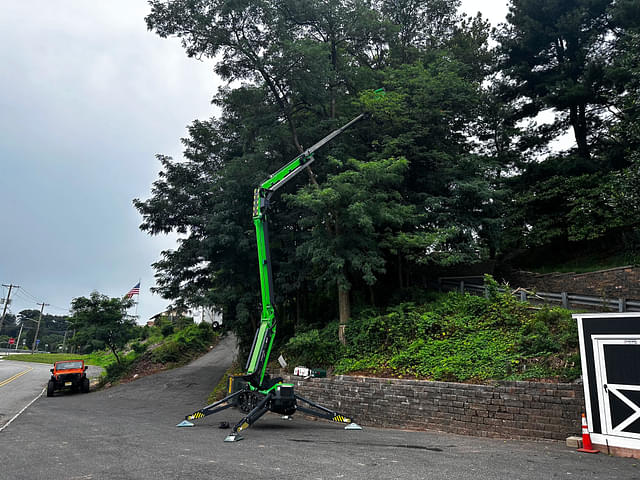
(263, 340)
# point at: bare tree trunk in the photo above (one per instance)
(115, 353)
(577, 119)
(344, 307)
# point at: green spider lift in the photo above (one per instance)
(256, 393)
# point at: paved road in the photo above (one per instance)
(21, 383)
(128, 432)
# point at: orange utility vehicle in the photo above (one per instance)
(69, 374)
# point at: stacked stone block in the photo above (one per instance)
(517, 410)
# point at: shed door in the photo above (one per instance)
(617, 362)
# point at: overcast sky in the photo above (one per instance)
(87, 98)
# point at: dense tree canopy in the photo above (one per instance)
(453, 167)
(100, 321)
(22, 327)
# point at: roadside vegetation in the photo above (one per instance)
(140, 356)
(163, 352)
(105, 336)
(453, 337)
(451, 170)
(101, 359)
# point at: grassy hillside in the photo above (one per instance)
(157, 352)
(163, 352)
(454, 338)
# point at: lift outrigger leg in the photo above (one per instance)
(323, 412)
(215, 407)
(251, 418)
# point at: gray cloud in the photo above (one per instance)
(88, 98)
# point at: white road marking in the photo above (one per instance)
(20, 412)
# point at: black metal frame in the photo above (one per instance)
(263, 407)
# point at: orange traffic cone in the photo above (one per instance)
(586, 438)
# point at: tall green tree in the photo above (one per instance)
(300, 66)
(99, 318)
(252, 41)
(432, 122)
(555, 56)
(419, 26)
(351, 217)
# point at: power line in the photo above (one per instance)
(29, 297)
(26, 298)
(30, 294)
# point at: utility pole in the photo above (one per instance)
(6, 302)
(19, 335)
(38, 327)
(64, 340)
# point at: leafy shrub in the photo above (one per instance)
(167, 330)
(366, 335)
(183, 322)
(115, 370)
(314, 348)
(374, 363)
(146, 332)
(170, 352)
(536, 338)
(184, 344)
(138, 347)
(459, 337)
(550, 330)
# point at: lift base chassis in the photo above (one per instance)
(279, 398)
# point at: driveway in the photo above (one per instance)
(128, 432)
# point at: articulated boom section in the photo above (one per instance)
(255, 393)
(263, 340)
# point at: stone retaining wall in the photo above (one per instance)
(622, 282)
(518, 410)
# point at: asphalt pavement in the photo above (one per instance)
(129, 432)
(21, 383)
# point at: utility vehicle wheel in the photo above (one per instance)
(50, 387)
(85, 385)
(215, 325)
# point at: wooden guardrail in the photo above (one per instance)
(474, 285)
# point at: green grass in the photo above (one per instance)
(101, 359)
(220, 389)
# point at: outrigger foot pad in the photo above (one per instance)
(353, 426)
(184, 423)
(234, 437)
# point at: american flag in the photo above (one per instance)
(134, 291)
